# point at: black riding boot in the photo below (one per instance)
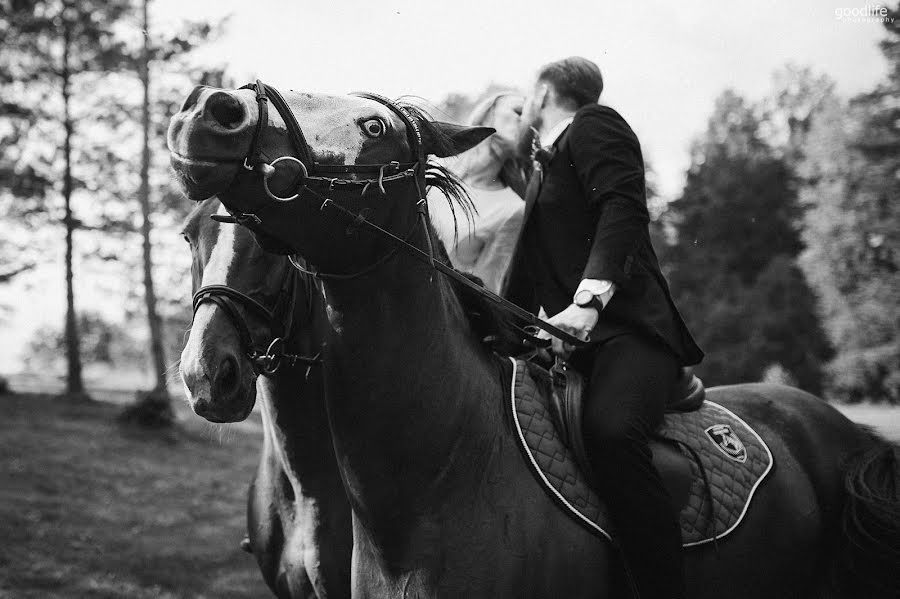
(644, 519)
(631, 379)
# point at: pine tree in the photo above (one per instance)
(732, 266)
(52, 50)
(75, 152)
(154, 407)
(852, 232)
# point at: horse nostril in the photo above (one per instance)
(227, 376)
(225, 109)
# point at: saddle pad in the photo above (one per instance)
(734, 457)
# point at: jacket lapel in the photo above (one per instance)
(518, 269)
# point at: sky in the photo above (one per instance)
(664, 63)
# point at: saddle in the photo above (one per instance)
(710, 460)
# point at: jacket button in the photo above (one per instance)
(628, 262)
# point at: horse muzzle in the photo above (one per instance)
(219, 384)
(208, 139)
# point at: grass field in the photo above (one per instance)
(90, 508)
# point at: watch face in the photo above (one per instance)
(583, 298)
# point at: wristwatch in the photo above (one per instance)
(586, 299)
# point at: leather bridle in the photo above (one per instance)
(266, 358)
(315, 184)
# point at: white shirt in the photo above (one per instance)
(556, 131)
(600, 287)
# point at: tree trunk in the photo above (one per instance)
(155, 407)
(74, 382)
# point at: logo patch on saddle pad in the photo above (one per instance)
(727, 442)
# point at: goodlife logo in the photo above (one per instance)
(870, 13)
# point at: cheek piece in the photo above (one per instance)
(279, 318)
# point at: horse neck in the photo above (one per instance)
(293, 405)
(408, 390)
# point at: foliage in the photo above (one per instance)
(106, 54)
(101, 342)
(104, 97)
(868, 374)
(799, 95)
(51, 49)
(732, 263)
(850, 164)
(114, 344)
(152, 409)
(44, 46)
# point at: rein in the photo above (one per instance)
(310, 178)
(270, 359)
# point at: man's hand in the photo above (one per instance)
(575, 320)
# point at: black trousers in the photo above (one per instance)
(630, 380)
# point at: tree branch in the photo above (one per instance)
(6, 277)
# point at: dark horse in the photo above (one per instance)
(298, 515)
(443, 503)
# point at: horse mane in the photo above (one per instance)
(436, 174)
(493, 326)
(496, 328)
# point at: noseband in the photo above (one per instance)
(281, 316)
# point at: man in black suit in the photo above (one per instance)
(585, 257)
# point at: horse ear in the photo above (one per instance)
(447, 139)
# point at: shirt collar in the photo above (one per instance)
(556, 132)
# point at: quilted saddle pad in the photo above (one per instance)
(735, 460)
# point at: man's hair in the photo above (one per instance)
(577, 80)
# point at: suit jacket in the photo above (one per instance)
(589, 220)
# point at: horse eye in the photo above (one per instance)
(373, 127)
(186, 238)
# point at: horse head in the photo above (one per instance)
(244, 298)
(298, 174)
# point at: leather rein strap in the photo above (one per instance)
(460, 278)
(415, 170)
